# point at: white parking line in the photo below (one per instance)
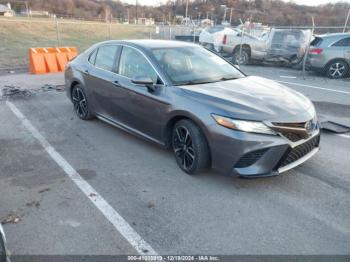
(141, 246)
(288, 76)
(316, 87)
(345, 136)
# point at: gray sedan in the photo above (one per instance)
(184, 97)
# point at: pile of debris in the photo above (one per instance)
(16, 91)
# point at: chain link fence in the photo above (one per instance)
(20, 34)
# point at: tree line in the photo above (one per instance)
(271, 12)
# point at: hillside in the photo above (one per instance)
(273, 12)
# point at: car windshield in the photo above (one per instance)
(194, 65)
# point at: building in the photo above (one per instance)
(5, 10)
(145, 21)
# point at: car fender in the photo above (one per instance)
(177, 114)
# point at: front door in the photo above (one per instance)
(141, 109)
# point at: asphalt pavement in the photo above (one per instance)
(303, 211)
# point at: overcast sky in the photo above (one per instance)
(304, 2)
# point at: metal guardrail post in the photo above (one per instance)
(240, 47)
(346, 21)
(308, 46)
(109, 30)
(194, 34)
(57, 33)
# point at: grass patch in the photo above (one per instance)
(18, 35)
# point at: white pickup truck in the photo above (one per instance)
(278, 45)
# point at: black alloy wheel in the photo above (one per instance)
(80, 103)
(190, 147)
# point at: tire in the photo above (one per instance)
(80, 103)
(2, 249)
(190, 147)
(337, 69)
(240, 58)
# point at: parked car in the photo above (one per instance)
(277, 45)
(187, 98)
(212, 37)
(253, 48)
(330, 55)
(2, 245)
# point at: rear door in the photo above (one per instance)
(100, 77)
(341, 48)
(347, 49)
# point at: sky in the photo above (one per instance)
(303, 2)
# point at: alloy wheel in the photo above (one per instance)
(79, 101)
(337, 70)
(183, 148)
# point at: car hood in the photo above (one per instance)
(253, 98)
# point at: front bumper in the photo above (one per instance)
(244, 154)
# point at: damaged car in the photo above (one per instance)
(276, 46)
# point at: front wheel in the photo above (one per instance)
(190, 147)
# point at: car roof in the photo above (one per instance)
(334, 35)
(152, 44)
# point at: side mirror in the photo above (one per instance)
(145, 81)
(142, 80)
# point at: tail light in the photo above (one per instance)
(315, 51)
(224, 40)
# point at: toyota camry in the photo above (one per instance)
(188, 99)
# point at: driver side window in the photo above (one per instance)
(133, 63)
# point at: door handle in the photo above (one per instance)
(116, 83)
(87, 71)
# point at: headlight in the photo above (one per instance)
(243, 125)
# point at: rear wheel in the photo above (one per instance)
(190, 147)
(80, 103)
(240, 57)
(337, 69)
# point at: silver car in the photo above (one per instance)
(330, 55)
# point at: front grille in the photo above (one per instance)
(299, 151)
(294, 137)
(250, 158)
(295, 131)
(295, 125)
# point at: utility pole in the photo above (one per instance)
(231, 16)
(224, 18)
(346, 21)
(128, 15)
(136, 22)
(186, 11)
(27, 9)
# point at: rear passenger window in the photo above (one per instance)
(92, 57)
(105, 57)
(316, 42)
(343, 42)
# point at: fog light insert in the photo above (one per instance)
(250, 158)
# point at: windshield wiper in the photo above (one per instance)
(198, 82)
(195, 82)
(227, 78)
